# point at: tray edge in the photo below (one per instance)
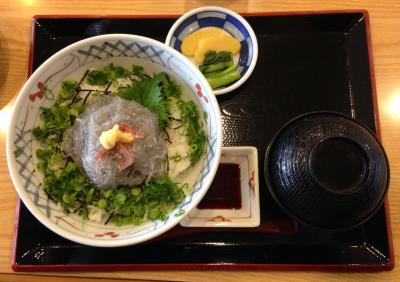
(316, 267)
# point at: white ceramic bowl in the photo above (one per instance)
(122, 49)
(229, 21)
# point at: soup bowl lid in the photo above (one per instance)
(327, 170)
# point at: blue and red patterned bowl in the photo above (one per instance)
(125, 50)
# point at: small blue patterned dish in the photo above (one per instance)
(229, 21)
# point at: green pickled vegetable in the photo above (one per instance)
(219, 81)
(218, 68)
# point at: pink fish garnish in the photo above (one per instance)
(125, 128)
(101, 153)
(126, 152)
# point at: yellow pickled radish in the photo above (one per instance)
(225, 43)
(190, 42)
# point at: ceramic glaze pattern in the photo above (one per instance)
(221, 20)
(122, 49)
(41, 92)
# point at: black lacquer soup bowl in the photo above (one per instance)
(327, 170)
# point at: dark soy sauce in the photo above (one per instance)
(224, 192)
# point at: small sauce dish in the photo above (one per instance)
(233, 198)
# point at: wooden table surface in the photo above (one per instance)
(15, 21)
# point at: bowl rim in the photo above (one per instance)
(252, 34)
(286, 209)
(11, 161)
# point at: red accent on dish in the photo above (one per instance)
(42, 85)
(251, 183)
(219, 218)
(200, 93)
(38, 94)
(111, 234)
(198, 88)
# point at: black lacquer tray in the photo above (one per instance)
(307, 61)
